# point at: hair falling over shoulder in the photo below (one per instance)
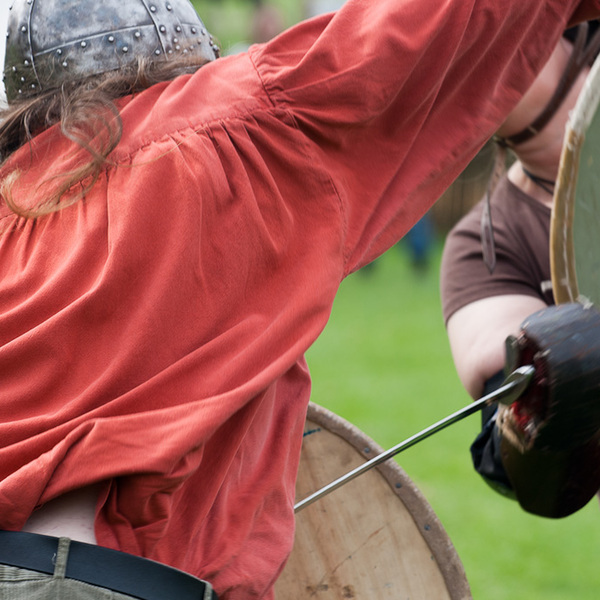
(87, 115)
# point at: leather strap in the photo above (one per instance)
(583, 54)
(102, 567)
(487, 229)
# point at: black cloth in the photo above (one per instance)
(485, 450)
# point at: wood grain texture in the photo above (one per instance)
(376, 537)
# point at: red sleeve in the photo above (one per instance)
(414, 88)
(586, 12)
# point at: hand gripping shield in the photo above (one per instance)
(50, 42)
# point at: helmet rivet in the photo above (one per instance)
(50, 56)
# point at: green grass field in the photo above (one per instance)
(384, 364)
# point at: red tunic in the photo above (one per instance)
(152, 335)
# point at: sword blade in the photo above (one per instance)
(514, 385)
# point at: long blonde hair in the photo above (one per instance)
(87, 115)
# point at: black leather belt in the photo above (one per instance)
(116, 571)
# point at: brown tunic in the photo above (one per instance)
(521, 236)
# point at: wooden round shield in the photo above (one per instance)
(375, 537)
(575, 222)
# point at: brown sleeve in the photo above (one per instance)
(521, 236)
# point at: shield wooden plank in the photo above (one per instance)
(375, 537)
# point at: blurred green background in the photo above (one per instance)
(230, 21)
(383, 363)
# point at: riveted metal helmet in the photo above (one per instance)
(49, 42)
